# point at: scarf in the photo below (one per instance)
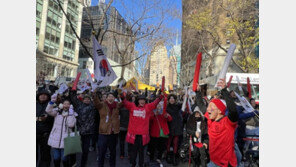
(111, 106)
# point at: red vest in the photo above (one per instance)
(221, 141)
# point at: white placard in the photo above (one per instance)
(63, 88)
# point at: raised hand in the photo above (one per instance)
(54, 98)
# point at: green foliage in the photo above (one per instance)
(240, 26)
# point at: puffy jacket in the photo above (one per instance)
(157, 122)
(62, 124)
(175, 126)
(87, 119)
(109, 120)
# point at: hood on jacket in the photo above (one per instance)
(43, 91)
(196, 109)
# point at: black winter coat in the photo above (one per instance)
(124, 118)
(43, 126)
(87, 119)
(175, 126)
(191, 128)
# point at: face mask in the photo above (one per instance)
(197, 119)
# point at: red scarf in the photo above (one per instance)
(111, 106)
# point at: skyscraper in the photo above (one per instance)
(159, 63)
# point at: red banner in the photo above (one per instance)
(74, 87)
(249, 87)
(196, 73)
(229, 82)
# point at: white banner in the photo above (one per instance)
(244, 102)
(82, 86)
(93, 85)
(63, 88)
(227, 60)
(104, 74)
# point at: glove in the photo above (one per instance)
(53, 98)
(71, 110)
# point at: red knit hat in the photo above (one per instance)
(221, 105)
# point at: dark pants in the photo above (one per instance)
(122, 135)
(45, 157)
(136, 149)
(173, 139)
(104, 142)
(157, 144)
(85, 142)
(199, 156)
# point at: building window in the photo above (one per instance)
(38, 9)
(84, 65)
(50, 69)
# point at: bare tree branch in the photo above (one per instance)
(71, 25)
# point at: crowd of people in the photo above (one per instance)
(210, 132)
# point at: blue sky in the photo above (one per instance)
(172, 23)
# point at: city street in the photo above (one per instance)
(119, 162)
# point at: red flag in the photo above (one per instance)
(165, 95)
(76, 81)
(249, 87)
(229, 82)
(165, 104)
(163, 83)
(196, 73)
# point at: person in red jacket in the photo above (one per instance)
(158, 122)
(138, 127)
(221, 129)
